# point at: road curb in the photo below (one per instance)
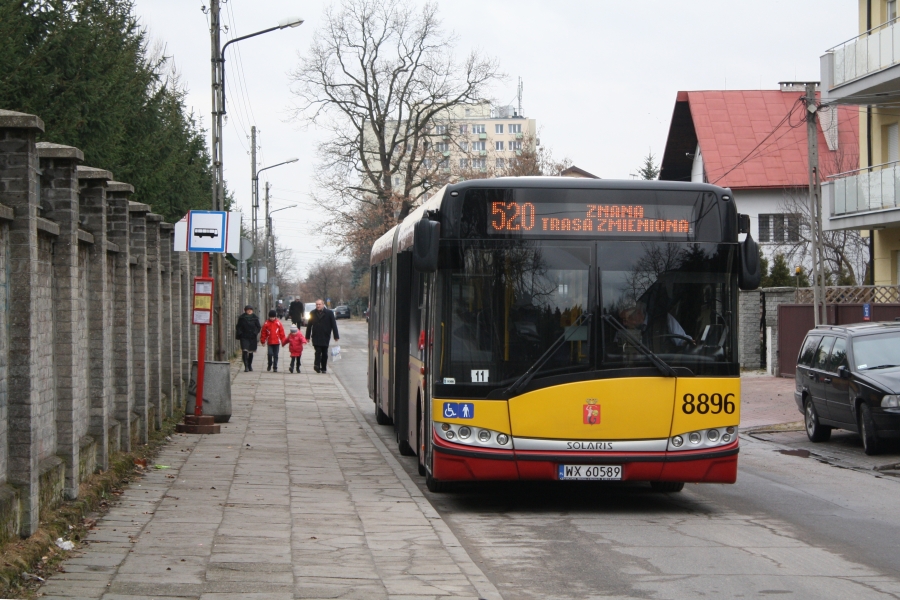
(486, 590)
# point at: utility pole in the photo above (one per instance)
(268, 236)
(254, 205)
(218, 184)
(815, 207)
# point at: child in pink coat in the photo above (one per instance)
(296, 342)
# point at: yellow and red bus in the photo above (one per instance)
(552, 329)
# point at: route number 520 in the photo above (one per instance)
(705, 403)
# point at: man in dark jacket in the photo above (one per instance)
(295, 310)
(247, 331)
(321, 325)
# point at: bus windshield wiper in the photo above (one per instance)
(528, 375)
(656, 360)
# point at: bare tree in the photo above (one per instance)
(378, 76)
(328, 280)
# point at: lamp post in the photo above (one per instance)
(269, 237)
(255, 208)
(218, 111)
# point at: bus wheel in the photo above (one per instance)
(380, 417)
(667, 486)
(406, 449)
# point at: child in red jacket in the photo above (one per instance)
(296, 341)
(272, 335)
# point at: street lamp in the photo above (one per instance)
(218, 106)
(255, 208)
(268, 238)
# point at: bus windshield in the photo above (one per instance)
(506, 303)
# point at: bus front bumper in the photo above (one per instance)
(454, 462)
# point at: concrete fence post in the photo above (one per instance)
(139, 427)
(93, 221)
(30, 369)
(59, 202)
(166, 231)
(154, 325)
(119, 236)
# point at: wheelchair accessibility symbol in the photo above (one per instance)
(459, 410)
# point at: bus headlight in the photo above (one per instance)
(472, 436)
(708, 438)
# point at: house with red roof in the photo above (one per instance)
(754, 142)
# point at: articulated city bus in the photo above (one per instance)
(563, 329)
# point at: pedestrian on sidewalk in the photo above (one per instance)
(295, 310)
(247, 330)
(321, 325)
(273, 336)
(296, 342)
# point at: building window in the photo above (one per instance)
(779, 228)
(440, 129)
(515, 145)
(478, 129)
(498, 146)
(463, 129)
(498, 128)
(427, 163)
(444, 164)
(501, 163)
(478, 146)
(464, 146)
(891, 10)
(517, 128)
(479, 163)
(441, 147)
(892, 138)
(464, 163)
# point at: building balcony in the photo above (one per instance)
(482, 136)
(863, 199)
(864, 68)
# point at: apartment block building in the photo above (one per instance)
(864, 72)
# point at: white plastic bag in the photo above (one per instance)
(335, 353)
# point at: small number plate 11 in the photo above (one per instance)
(591, 472)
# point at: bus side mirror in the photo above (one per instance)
(426, 236)
(750, 274)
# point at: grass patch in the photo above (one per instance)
(38, 555)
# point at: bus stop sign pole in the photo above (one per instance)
(202, 315)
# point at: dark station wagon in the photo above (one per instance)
(848, 377)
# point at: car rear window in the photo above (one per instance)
(809, 350)
(822, 353)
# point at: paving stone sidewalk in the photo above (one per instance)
(296, 498)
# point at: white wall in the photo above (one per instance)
(757, 202)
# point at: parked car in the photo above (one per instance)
(848, 377)
(342, 312)
(307, 310)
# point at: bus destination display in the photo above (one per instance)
(543, 218)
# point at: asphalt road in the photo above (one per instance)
(818, 522)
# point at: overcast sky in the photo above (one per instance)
(600, 76)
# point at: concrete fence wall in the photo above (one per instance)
(95, 336)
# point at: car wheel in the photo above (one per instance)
(815, 431)
(867, 430)
(667, 486)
